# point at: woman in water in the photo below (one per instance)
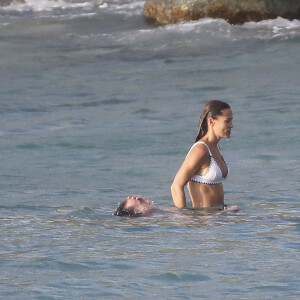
(204, 168)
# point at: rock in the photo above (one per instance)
(8, 2)
(163, 12)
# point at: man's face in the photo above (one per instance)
(139, 204)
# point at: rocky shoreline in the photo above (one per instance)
(8, 2)
(163, 12)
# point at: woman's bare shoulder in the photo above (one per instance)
(198, 151)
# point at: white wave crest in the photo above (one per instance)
(279, 23)
(274, 28)
(129, 8)
(45, 5)
(219, 28)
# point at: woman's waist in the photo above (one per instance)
(203, 195)
(206, 189)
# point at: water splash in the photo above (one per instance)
(45, 5)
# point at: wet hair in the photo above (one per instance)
(212, 109)
(129, 212)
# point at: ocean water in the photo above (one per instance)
(97, 104)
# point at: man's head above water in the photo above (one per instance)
(135, 207)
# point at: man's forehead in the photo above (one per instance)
(132, 200)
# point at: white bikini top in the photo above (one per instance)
(214, 174)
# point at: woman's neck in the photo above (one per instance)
(211, 138)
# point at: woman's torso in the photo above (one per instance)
(205, 187)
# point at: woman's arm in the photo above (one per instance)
(194, 162)
(177, 191)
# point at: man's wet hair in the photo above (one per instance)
(129, 212)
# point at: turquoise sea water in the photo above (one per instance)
(96, 104)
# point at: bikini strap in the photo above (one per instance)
(200, 142)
